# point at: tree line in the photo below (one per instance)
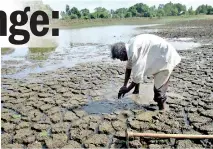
(137, 10)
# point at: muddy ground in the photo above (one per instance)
(78, 108)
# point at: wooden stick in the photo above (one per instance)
(177, 136)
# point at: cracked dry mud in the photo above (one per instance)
(48, 110)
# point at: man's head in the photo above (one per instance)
(118, 51)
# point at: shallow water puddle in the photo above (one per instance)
(109, 106)
(91, 46)
(17, 54)
(143, 101)
(58, 58)
(129, 101)
(184, 43)
(103, 35)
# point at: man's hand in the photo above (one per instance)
(123, 90)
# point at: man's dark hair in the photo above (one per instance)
(117, 49)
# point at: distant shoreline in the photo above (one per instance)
(81, 23)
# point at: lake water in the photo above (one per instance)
(82, 45)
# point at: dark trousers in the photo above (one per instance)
(160, 94)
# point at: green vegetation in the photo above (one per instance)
(81, 23)
(44, 134)
(6, 50)
(40, 53)
(137, 10)
(16, 116)
(41, 50)
(137, 14)
(204, 9)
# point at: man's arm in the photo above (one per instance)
(127, 76)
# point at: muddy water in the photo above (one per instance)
(111, 104)
(78, 46)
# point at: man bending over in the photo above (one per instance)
(147, 54)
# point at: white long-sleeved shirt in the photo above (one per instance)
(149, 54)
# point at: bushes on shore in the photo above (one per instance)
(137, 10)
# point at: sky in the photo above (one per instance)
(115, 4)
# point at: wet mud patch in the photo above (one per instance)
(109, 106)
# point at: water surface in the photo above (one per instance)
(76, 46)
